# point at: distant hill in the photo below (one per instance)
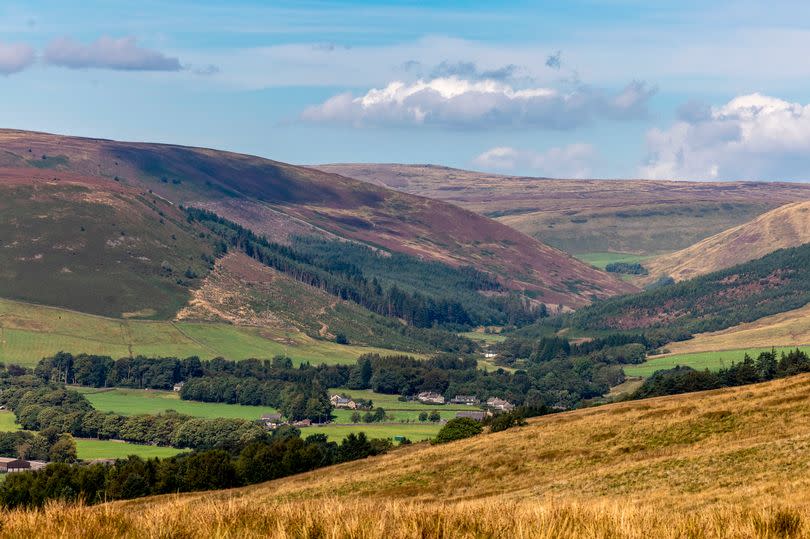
(725, 463)
(786, 226)
(590, 216)
(280, 200)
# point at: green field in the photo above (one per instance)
(488, 338)
(109, 449)
(600, 260)
(140, 401)
(415, 432)
(700, 360)
(7, 423)
(99, 449)
(31, 332)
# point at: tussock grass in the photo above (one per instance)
(338, 518)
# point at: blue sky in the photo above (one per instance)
(617, 88)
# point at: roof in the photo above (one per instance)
(18, 463)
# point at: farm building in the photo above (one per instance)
(499, 404)
(178, 387)
(20, 465)
(303, 423)
(469, 400)
(429, 397)
(339, 401)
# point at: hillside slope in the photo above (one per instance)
(786, 226)
(726, 463)
(280, 200)
(95, 245)
(582, 216)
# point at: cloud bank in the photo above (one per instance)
(121, 54)
(488, 103)
(14, 57)
(750, 137)
(572, 161)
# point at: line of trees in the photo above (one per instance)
(286, 453)
(438, 295)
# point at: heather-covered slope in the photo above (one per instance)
(584, 216)
(279, 200)
(95, 246)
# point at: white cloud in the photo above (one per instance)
(572, 161)
(750, 137)
(108, 53)
(488, 103)
(14, 57)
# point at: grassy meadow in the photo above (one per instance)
(7, 422)
(140, 401)
(600, 260)
(722, 464)
(113, 449)
(712, 360)
(31, 332)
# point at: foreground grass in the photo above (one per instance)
(30, 332)
(344, 518)
(713, 360)
(140, 401)
(729, 463)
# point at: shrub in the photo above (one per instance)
(458, 429)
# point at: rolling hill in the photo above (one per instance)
(786, 226)
(280, 200)
(640, 217)
(725, 463)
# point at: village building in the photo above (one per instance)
(429, 397)
(10, 465)
(303, 423)
(469, 400)
(178, 386)
(500, 405)
(339, 401)
(272, 421)
(475, 415)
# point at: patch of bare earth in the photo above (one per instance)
(226, 292)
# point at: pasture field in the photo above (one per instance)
(109, 449)
(7, 423)
(140, 401)
(415, 432)
(31, 332)
(701, 360)
(600, 260)
(486, 338)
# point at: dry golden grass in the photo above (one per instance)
(727, 463)
(785, 226)
(791, 328)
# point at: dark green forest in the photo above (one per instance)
(424, 294)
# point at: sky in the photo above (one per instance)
(579, 89)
